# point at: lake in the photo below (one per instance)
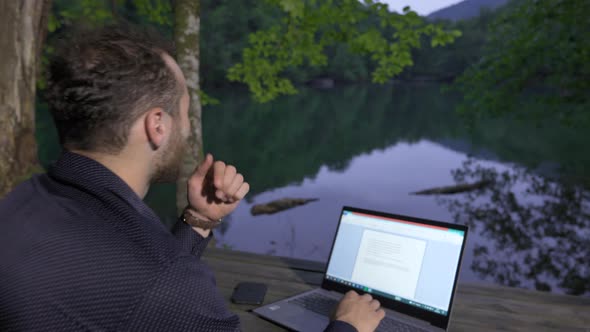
(373, 147)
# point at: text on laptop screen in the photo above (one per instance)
(403, 260)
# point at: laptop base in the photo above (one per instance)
(297, 318)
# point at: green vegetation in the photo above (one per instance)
(536, 63)
(367, 28)
(226, 26)
(501, 46)
(529, 52)
(447, 63)
(277, 37)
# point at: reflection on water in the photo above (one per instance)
(289, 140)
(369, 181)
(371, 146)
(537, 230)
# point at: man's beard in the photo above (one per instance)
(168, 166)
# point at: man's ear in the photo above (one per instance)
(157, 127)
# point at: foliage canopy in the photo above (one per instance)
(310, 26)
(538, 52)
(284, 35)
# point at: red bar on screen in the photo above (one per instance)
(398, 220)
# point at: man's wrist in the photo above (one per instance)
(197, 219)
(197, 214)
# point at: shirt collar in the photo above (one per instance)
(91, 176)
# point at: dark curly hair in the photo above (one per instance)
(99, 81)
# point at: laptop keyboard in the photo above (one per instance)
(317, 303)
(388, 324)
(324, 305)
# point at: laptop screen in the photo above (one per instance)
(407, 261)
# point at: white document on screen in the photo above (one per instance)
(389, 263)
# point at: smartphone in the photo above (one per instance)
(249, 293)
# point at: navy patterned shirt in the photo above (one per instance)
(79, 250)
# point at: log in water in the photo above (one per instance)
(456, 189)
(279, 205)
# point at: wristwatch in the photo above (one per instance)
(190, 219)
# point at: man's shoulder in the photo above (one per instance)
(33, 201)
(20, 193)
(27, 199)
(47, 216)
(38, 219)
(49, 232)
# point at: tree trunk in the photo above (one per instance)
(186, 37)
(23, 24)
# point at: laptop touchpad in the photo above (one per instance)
(307, 321)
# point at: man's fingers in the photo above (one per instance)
(203, 168)
(228, 177)
(220, 195)
(366, 297)
(229, 186)
(218, 174)
(351, 294)
(235, 185)
(242, 191)
(374, 304)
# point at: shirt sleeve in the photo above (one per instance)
(340, 326)
(184, 298)
(192, 241)
(202, 286)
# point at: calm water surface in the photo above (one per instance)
(371, 147)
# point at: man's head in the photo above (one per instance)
(118, 91)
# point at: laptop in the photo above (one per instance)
(410, 265)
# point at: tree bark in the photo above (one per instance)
(23, 25)
(186, 37)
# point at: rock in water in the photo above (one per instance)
(279, 205)
(456, 189)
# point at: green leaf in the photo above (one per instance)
(315, 26)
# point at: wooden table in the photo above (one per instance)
(476, 307)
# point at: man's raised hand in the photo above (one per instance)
(215, 189)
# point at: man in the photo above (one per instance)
(80, 249)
